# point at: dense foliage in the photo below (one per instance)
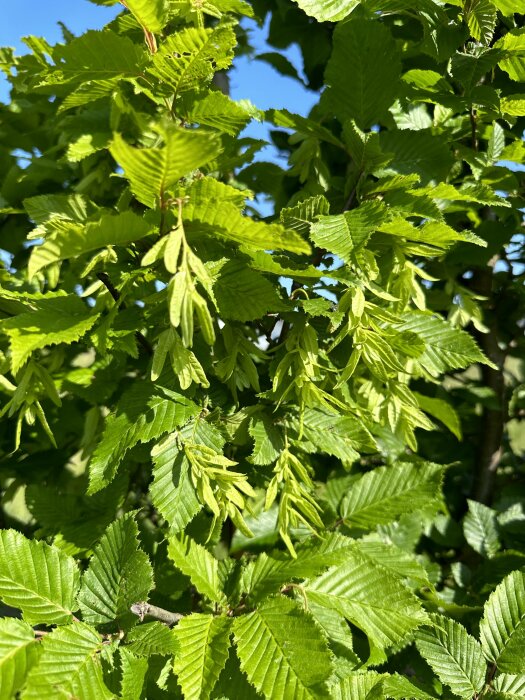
(276, 457)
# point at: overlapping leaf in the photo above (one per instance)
(38, 579)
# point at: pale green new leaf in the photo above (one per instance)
(328, 10)
(454, 655)
(363, 72)
(119, 574)
(204, 644)
(480, 527)
(370, 597)
(442, 410)
(151, 14)
(54, 320)
(343, 233)
(134, 669)
(172, 491)
(199, 564)
(69, 666)
(502, 629)
(18, 653)
(383, 494)
(38, 579)
(445, 347)
(152, 638)
(153, 171)
(189, 58)
(143, 413)
(283, 652)
(73, 239)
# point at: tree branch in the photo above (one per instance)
(165, 616)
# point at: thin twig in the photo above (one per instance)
(143, 609)
(474, 128)
(141, 339)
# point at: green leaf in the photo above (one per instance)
(511, 687)
(18, 654)
(119, 574)
(370, 597)
(385, 493)
(328, 10)
(268, 440)
(363, 72)
(513, 44)
(172, 491)
(416, 152)
(445, 347)
(343, 233)
(73, 240)
(220, 112)
(454, 656)
(151, 14)
(282, 651)
(481, 529)
(96, 55)
(303, 125)
(134, 669)
(502, 629)
(144, 413)
(204, 642)
(152, 172)
(38, 579)
(300, 217)
(69, 666)
(189, 58)
(480, 16)
(243, 294)
(150, 639)
(216, 211)
(52, 320)
(442, 410)
(361, 685)
(199, 564)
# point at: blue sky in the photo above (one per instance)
(250, 79)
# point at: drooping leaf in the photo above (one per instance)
(385, 493)
(119, 574)
(69, 666)
(282, 651)
(480, 16)
(204, 643)
(502, 629)
(454, 655)
(38, 579)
